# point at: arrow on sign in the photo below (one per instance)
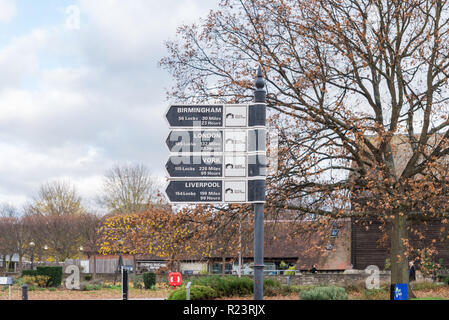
(194, 166)
(188, 141)
(195, 116)
(195, 191)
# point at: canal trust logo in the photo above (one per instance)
(236, 115)
(235, 191)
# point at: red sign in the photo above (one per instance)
(174, 279)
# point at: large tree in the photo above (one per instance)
(358, 90)
(14, 234)
(54, 217)
(128, 188)
(156, 231)
(56, 198)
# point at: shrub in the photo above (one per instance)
(162, 286)
(324, 293)
(138, 282)
(227, 286)
(86, 286)
(114, 287)
(286, 290)
(443, 278)
(149, 279)
(197, 292)
(234, 286)
(271, 287)
(96, 284)
(40, 281)
(267, 282)
(54, 272)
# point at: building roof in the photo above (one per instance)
(305, 249)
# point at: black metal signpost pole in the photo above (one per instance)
(259, 97)
(124, 284)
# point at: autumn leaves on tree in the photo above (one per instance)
(358, 93)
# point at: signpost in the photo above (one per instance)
(7, 281)
(218, 155)
(216, 166)
(215, 116)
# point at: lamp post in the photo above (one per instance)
(81, 252)
(46, 252)
(32, 244)
(120, 258)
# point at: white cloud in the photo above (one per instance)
(98, 96)
(8, 10)
(19, 59)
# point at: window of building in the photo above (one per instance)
(216, 268)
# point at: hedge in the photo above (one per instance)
(32, 273)
(149, 279)
(196, 293)
(54, 272)
(229, 286)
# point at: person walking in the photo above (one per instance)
(411, 272)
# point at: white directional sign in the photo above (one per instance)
(215, 152)
(216, 140)
(226, 165)
(213, 191)
(208, 116)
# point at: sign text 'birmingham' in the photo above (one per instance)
(216, 116)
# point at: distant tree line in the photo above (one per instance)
(55, 225)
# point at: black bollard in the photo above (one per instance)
(124, 284)
(24, 292)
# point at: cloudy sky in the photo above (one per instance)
(81, 90)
